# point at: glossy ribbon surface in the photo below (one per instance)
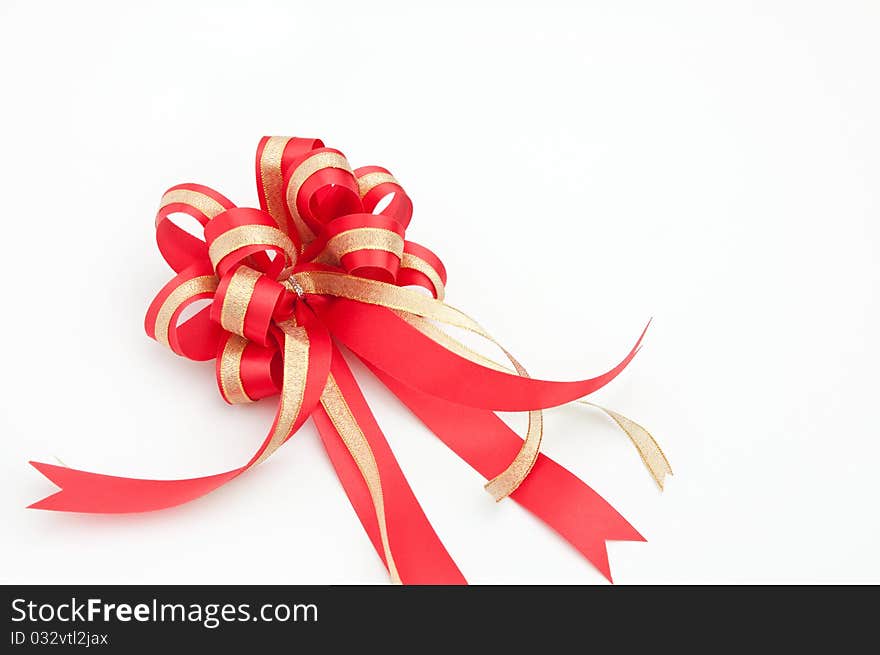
(325, 261)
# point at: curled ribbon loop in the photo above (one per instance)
(240, 234)
(246, 371)
(325, 261)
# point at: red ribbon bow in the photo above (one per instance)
(320, 264)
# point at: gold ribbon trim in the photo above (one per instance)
(423, 267)
(204, 203)
(360, 238)
(235, 301)
(304, 171)
(230, 370)
(649, 450)
(370, 181)
(296, 369)
(190, 288)
(449, 342)
(251, 235)
(340, 415)
(385, 295)
(273, 179)
(506, 482)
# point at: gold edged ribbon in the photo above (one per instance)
(295, 374)
(356, 442)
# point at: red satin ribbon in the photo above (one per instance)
(550, 492)
(316, 213)
(420, 556)
(380, 337)
(94, 493)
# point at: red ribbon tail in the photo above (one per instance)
(82, 491)
(550, 492)
(380, 337)
(419, 555)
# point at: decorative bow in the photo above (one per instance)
(320, 264)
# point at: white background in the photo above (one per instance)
(579, 166)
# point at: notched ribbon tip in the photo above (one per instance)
(49, 472)
(597, 553)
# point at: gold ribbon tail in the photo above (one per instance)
(649, 450)
(506, 482)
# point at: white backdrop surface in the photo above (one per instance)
(579, 167)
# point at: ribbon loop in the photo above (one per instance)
(247, 302)
(243, 234)
(197, 337)
(246, 371)
(320, 186)
(421, 267)
(180, 248)
(366, 245)
(375, 184)
(275, 154)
